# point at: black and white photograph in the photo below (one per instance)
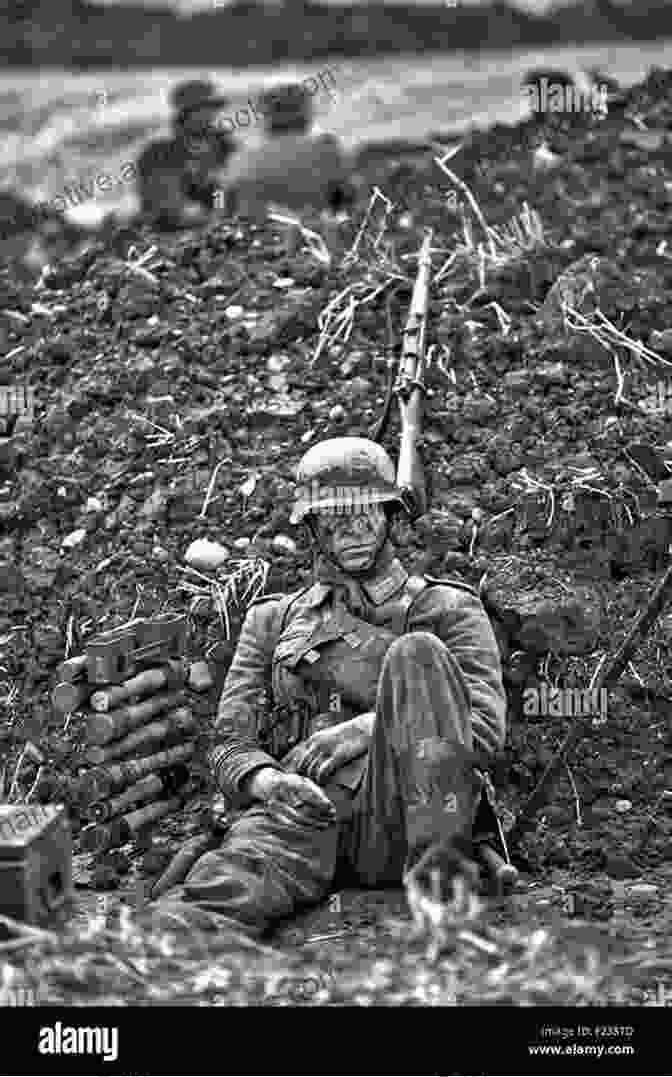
(335, 536)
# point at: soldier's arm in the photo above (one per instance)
(458, 618)
(237, 755)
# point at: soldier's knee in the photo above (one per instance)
(417, 648)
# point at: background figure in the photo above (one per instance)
(293, 169)
(182, 170)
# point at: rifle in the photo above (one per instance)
(409, 388)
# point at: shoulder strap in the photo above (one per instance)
(266, 598)
(433, 581)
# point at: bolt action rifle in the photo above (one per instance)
(409, 389)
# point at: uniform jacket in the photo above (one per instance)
(296, 171)
(172, 171)
(342, 629)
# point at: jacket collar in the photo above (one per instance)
(386, 581)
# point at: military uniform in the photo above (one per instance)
(293, 169)
(415, 657)
(173, 172)
(335, 649)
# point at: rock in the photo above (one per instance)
(284, 544)
(93, 504)
(620, 867)
(359, 387)
(242, 543)
(206, 556)
(200, 677)
(548, 618)
(551, 374)
(277, 364)
(642, 891)
(337, 414)
(623, 806)
(544, 159)
(75, 538)
(477, 407)
(661, 341)
(468, 468)
(518, 380)
(154, 506)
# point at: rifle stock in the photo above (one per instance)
(410, 389)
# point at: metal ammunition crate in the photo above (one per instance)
(35, 864)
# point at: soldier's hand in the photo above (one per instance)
(323, 753)
(296, 791)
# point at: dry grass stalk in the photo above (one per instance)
(316, 244)
(240, 586)
(608, 335)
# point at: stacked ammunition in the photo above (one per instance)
(139, 739)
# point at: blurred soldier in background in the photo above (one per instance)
(178, 172)
(294, 169)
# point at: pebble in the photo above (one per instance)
(517, 379)
(203, 554)
(643, 891)
(284, 544)
(234, 312)
(200, 677)
(623, 806)
(661, 341)
(242, 543)
(278, 363)
(544, 159)
(621, 867)
(337, 414)
(93, 504)
(75, 538)
(160, 554)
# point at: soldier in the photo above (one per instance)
(351, 715)
(173, 172)
(293, 168)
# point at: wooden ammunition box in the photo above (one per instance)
(35, 864)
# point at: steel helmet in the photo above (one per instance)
(344, 474)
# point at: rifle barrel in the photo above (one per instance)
(410, 387)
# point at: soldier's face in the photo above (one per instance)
(352, 539)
